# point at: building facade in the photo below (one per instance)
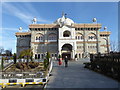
(65, 38)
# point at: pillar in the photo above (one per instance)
(85, 41)
(98, 44)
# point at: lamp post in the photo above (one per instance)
(105, 28)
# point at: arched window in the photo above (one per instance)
(92, 37)
(79, 36)
(104, 41)
(66, 34)
(52, 37)
(39, 37)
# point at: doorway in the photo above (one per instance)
(66, 51)
(66, 54)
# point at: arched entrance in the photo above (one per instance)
(66, 51)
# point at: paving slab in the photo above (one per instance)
(76, 76)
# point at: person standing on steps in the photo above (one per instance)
(66, 61)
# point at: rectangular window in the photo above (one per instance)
(52, 55)
(76, 37)
(55, 55)
(35, 56)
(42, 56)
(38, 56)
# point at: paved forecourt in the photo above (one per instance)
(76, 76)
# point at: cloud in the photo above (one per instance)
(24, 13)
(7, 37)
(2, 30)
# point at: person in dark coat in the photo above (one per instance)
(66, 61)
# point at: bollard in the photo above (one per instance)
(23, 85)
(3, 86)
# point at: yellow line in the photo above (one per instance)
(27, 83)
(8, 83)
(4, 84)
(33, 82)
(14, 83)
(40, 83)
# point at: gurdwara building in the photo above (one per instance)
(64, 37)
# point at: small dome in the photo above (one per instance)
(34, 19)
(64, 21)
(94, 19)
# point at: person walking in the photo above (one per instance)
(60, 61)
(66, 61)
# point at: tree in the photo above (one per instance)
(14, 58)
(26, 53)
(31, 57)
(1, 50)
(114, 46)
(2, 64)
(46, 60)
(20, 56)
(59, 56)
(8, 53)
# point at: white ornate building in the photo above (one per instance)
(64, 37)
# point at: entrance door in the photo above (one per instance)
(66, 54)
(66, 51)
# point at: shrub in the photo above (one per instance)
(14, 57)
(45, 64)
(2, 62)
(59, 56)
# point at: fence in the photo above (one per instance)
(22, 75)
(108, 64)
(15, 80)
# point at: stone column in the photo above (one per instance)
(59, 48)
(98, 39)
(72, 54)
(85, 41)
(108, 43)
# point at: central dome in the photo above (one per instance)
(64, 21)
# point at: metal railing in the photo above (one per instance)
(108, 64)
